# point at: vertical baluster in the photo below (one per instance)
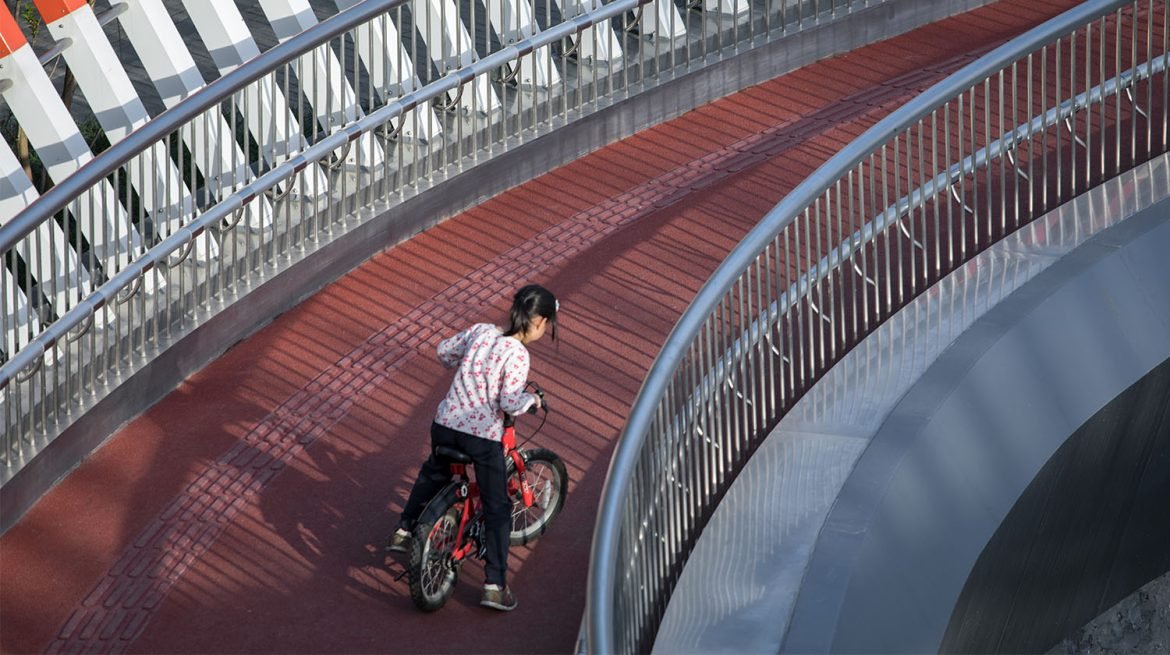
(988, 216)
(887, 274)
(920, 235)
(1115, 164)
(1133, 105)
(767, 359)
(816, 317)
(934, 271)
(1059, 136)
(850, 282)
(1165, 47)
(999, 136)
(837, 286)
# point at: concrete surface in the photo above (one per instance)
(1140, 624)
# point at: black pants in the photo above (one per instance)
(490, 473)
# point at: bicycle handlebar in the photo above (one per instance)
(543, 401)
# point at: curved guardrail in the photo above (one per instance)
(971, 159)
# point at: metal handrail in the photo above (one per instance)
(722, 369)
(599, 630)
(971, 163)
(225, 217)
(96, 170)
(222, 88)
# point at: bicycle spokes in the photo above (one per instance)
(438, 567)
(544, 497)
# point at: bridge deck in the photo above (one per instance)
(246, 512)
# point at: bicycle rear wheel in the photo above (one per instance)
(546, 475)
(433, 572)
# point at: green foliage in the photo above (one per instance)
(94, 135)
(26, 11)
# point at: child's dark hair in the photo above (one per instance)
(529, 302)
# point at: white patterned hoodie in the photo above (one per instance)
(493, 370)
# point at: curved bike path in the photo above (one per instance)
(247, 510)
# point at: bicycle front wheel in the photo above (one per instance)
(433, 571)
(546, 476)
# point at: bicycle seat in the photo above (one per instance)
(452, 455)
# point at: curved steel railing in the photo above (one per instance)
(150, 274)
(971, 159)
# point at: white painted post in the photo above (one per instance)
(733, 7)
(55, 137)
(390, 66)
(16, 320)
(50, 261)
(513, 21)
(115, 103)
(270, 120)
(451, 48)
(597, 43)
(211, 140)
(661, 19)
(323, 79)
(16, 193)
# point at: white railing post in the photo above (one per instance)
(451, 48)
(661, 20)
(16, 192)
(733, 7)
(46, 121)
(513, 21)
(170, 66)
(118, 109)
(270, 120)
(382, 52)
(323, 79)
(595, 43)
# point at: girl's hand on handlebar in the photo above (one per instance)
(538, 397)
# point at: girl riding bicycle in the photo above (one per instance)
(493, 370)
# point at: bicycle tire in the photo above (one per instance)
(433, 574)
(546, 474)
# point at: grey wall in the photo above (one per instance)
(1093, 527)
(963, 447)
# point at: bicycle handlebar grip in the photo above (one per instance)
(543, 402)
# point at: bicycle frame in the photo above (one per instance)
(468, 490)
(442, 543)
(469, 494)
(510, 450)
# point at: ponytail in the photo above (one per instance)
(529, 302)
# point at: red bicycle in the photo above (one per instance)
(450, 529)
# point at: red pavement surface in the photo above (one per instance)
(247, 510)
